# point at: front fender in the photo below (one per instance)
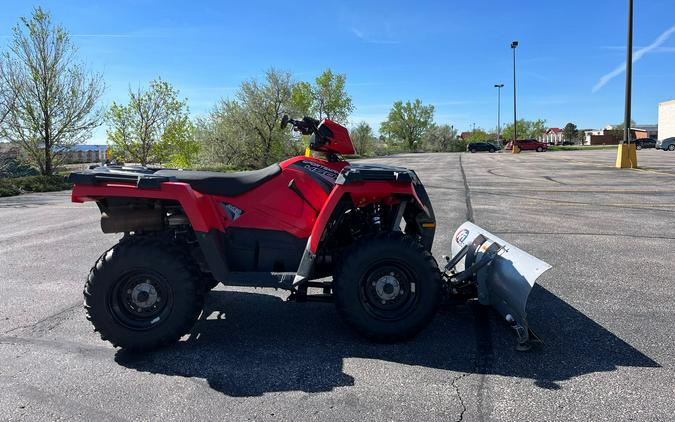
(361, 194)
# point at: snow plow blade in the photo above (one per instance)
(503, 275)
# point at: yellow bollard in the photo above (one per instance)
(515, 149)
(626, 156)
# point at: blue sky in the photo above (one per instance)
(448, 53)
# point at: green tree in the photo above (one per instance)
(302, 99)
(179, 136)
(7, 96)
(477, 135)
(326, 98)
(245, 131)
(581, 136)
(52, 96)
(407, 123)
(570, 132)
(442, 138)
(330, 97)
(152, 128)
(259, 109)
(617, 130)
(221, 140)
(363, 138)
(527, 129)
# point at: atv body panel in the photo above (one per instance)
(262, 227)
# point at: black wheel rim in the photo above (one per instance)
(141, 300)
(389, 291)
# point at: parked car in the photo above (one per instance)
(528, 145)
(482, 146)
(667, 144)
(645, 143)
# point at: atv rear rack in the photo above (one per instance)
(142, 177)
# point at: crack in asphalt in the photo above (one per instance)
(459, 395)
(467, 193)
(59, 316)
(484, 351)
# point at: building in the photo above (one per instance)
(667, 119)
(652, 130)
(610, 136)
(86, 154)
(553, 135)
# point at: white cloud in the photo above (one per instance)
(636, 56)
(366, 38)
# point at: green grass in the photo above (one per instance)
(580, 148)
(18, 185)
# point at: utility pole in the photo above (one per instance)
(626, 155)
(499, 111)
(514, 148)
(629, 75)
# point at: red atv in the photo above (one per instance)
(290, 226)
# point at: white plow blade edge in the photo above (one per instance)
(508, 280)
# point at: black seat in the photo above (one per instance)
(225, 184)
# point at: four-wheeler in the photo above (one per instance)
(528, 145)
(482, 146)
(360, 233)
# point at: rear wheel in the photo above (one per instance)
(387, 287)
(540, 149)
(671, 147)
(473, 150)
(638, 147)
(491, 150)
(143, 293)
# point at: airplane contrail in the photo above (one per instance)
(636, 56)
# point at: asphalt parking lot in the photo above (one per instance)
(605, 311)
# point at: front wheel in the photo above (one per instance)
(473, 150)
(540, 149)
(638, 147)
(387, 287)
(143, 293)
(671, 147)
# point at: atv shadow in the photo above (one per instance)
(262, 344)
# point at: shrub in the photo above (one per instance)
(18, 185)
(12, 167)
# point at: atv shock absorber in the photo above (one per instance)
(376, 220)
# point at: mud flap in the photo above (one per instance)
(507, 279)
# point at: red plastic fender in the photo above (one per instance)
(198, 207)
(362, 193)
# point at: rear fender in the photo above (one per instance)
(198, 208)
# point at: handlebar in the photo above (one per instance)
(306, 126)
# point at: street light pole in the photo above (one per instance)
(499, 111)
(629, 75)
(514, 148)
(626, 156)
